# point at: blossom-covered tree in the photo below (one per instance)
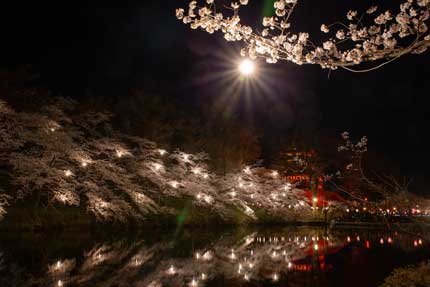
(374, 35)
(60, 155)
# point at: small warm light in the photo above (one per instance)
(68, 173)
(290, 265)
(119, 153)
(58, 265)
(316, 247)
(157, 166)
(208, 199)
(193, 283)
(246, 67)
(172, 270)
(52, 129)
(275, 173)
(204, 276)
(84, 164)
(196, 171)
(247, 170)
(347, 210)
(315, 199)
(174, 184)
(232, 255)
(205, 175)
(162, 151)
(275, 277)
(197, 255)
(207, 256)
(381, 241)
(60, 283)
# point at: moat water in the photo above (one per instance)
(293, 256)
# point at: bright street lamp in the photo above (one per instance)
(246, 67)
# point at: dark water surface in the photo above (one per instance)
(296, 256)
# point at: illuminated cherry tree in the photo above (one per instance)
(55, 156)
(374, 35)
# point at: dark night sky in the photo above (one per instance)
(107, 49)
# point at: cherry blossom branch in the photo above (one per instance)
(372, 37)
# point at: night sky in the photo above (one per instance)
(104, 50)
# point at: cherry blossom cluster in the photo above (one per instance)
(374, 35)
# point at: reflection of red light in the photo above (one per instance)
(390, 240)
(367, 244)
(381, 241)
(415, 243)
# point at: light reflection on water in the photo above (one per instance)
(305, 256)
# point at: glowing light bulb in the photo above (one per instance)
(68, 173)
(84, 164)
(59, 283)
(315, 199)
(232, 255)
(157, 166)
(162, 151)
(246, 67)
(316, 247)
(172, 270)
(275, 277)
(196, 171)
